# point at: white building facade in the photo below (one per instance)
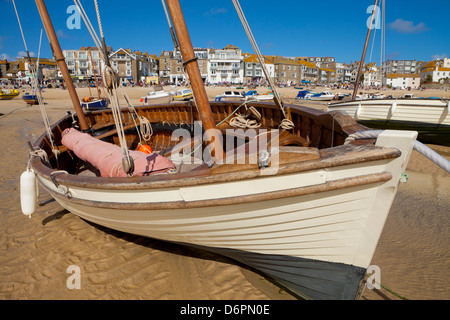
(403, 81)
(225, 66)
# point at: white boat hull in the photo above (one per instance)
(414, 110)
(430, 117)
(149, 100)
(273, 223)
(324, 98)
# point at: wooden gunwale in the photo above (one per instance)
(274, 195)
(361, 154)
(329, 157)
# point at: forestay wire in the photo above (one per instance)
(35, 86)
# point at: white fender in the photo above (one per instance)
(28, 192)
(448, 107)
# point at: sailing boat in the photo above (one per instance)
(306, 208)
(93, 103)
(430, 117)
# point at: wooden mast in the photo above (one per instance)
(61, 62)
(363, 58)
(191, 65)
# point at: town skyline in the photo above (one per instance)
(410, 34)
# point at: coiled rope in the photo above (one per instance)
(286, 123)
(418, 146)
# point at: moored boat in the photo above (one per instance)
(430, 117)
(322, 96)
(230, 96)
(8, 94)
(183, 95)
(306, 207)
(30, 99)
(158, 95)
(92, 103)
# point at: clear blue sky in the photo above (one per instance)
(414, 29)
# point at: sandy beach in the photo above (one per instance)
(413, 252)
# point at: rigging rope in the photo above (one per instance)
(418, 146)
(112, 82)
(258, 54)
(35, 86)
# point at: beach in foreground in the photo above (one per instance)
(412, 254)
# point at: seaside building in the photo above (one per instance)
(253, 70)
(225, 65)
(347, 73)
(164, 65)
(148, 66)
(4, 66)
(446, 63)
(403, 81)
(287, 70)
(309, 72)
(171, 67)
(327, 76)
(372, 79)
(20, 69)
(86, 62)
(83, 62)
(16, 71)
(340, 72)
(399, 66)
(436, 71)
(131, 66)
(322, 62)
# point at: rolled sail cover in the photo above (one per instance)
(107, 158)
